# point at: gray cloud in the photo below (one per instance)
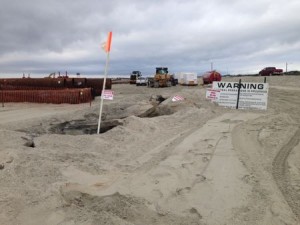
(238, 36)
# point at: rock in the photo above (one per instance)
(30, 144)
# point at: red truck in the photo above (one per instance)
(269, 71)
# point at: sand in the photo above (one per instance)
(187, 162)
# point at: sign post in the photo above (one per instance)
(2, 97)
(107, 50)
(238, 95)
(2, 92)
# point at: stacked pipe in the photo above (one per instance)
(96, 84)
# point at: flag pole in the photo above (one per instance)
(103, 89)
(107, 49)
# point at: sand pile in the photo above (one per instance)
(158, 162)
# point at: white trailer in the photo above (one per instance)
(187, 78)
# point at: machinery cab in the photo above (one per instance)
(134, 76)
(162, 70)
(162, 78)
(162, 73)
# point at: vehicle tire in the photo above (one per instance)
(156, 84)
(169, 84)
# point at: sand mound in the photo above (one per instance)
(162, 162)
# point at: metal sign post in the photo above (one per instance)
(2, 90)
(238, 95)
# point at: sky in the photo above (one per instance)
(232, 36)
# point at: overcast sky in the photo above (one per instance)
(233, 36)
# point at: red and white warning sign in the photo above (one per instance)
(177, 98)
(108, 95)
(212, 94)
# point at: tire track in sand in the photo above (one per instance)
(280, 174)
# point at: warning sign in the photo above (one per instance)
(252, 95)
(213, 95)
(108, 95)
(177, 98)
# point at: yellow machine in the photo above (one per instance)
(162, 78)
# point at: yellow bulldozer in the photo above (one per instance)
(162, 78)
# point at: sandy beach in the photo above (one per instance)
(159, 162)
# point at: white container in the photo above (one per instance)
(189, 78)
(179, 76)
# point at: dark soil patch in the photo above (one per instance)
(79, 127)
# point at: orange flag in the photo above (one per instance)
(106, 45)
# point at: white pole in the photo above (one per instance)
(103, 89)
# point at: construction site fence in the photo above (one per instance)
(96, 84)
(70, 96)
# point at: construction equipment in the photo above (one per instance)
(162, 78)
(134, 76)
